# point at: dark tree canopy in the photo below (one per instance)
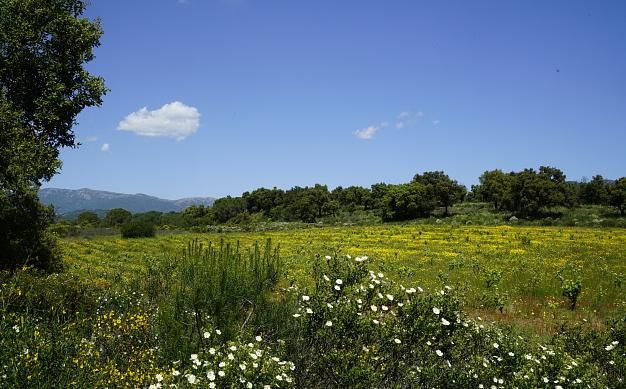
(117, 216)
(407, 201)
(617, 195)
(353, 197)
(88, 218)
(495, 187)
(532, 191)
(23, 236)
(445, 190)
(150, 217)
(595, 191)
(527, 193)
(44, 45)
(378, 192)
(305, 204)
(263, 200)
(137, 229)
(197, 215)
(43, 85)
(227, 208)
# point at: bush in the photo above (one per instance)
(137, 229)
(356, 328)
(63, 229)
(61, 330)
(220, 285)
(214, 317)
(24, 239)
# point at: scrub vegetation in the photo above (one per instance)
(392, 305)
(306, 287)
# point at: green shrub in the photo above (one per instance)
(60, 330)
(571, 283)
(356, 328)
(41, 325)
(24, 236)
(233, 364)
(217, 285)
(63, 230)
(603, 347)
(214, 316)
(137, 229)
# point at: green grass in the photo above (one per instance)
(513, 268)
(449, 305)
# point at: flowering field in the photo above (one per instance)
(382, 306)
(523, 270)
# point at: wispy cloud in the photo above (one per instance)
(403, 119)
(369, 132)
(406, 118)
(174, 120)
(436, 122)
(91, 138)
(105, 147)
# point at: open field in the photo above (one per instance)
(325, 194)
(513, 268)
(380, 306)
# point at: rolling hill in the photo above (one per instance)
(67, 201)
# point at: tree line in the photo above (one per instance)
(530, 193)
(526, 194)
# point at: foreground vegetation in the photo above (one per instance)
(521, 271)
(394, 305)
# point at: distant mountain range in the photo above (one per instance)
(68, 201)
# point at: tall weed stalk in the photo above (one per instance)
(215, 286)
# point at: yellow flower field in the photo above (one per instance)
(516, 274)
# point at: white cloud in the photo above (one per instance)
(407, 118)
(92, 138)
(105, 147)
(369, 132)
(173, 120)
(403, 119)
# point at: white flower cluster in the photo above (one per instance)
(251, 365)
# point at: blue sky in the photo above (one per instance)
(241, 94)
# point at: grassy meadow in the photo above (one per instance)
(394, 305)
(522, 270)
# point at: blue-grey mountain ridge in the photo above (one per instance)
(66, 201)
